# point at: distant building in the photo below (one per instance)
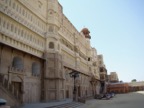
(113, 77)
(115, 86)
(118, 87)
(122, 87)
(136, 86)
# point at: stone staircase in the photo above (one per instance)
(9, 93)
(68, 105)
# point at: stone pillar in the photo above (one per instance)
(57, 90)
(54, 78)
(22, 92)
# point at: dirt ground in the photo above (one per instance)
(129, 100)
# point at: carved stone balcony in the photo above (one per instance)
(103, 73)
(16, 70)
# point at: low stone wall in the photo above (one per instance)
(6, 95)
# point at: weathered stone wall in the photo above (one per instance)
(54, 78)
(30, 82)
(5, 95)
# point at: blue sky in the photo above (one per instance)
(117, 31)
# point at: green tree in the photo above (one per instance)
(134, 80)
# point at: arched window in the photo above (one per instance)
(6, 1)
(51, 45)
(15, 29)
(8, 25)
(18, 31)
(51, 29)
(89, 68)
(0, 21)
(20, 10)
(14, 5)
(17, 8)
(17, 63)
(11, 27)
(36, 69)
(10, 3)
(4, 23)
(22, 33)
(94, 71)
(58, 47)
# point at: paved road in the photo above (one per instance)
(130, 100)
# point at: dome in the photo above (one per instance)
(86, 32)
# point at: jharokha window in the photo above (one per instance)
(17, 63)
(101, 69)
(51, 45)
(36, 68)
(101, 77)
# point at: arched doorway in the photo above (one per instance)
(17, 85)
(67, 93)
(102, 87)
